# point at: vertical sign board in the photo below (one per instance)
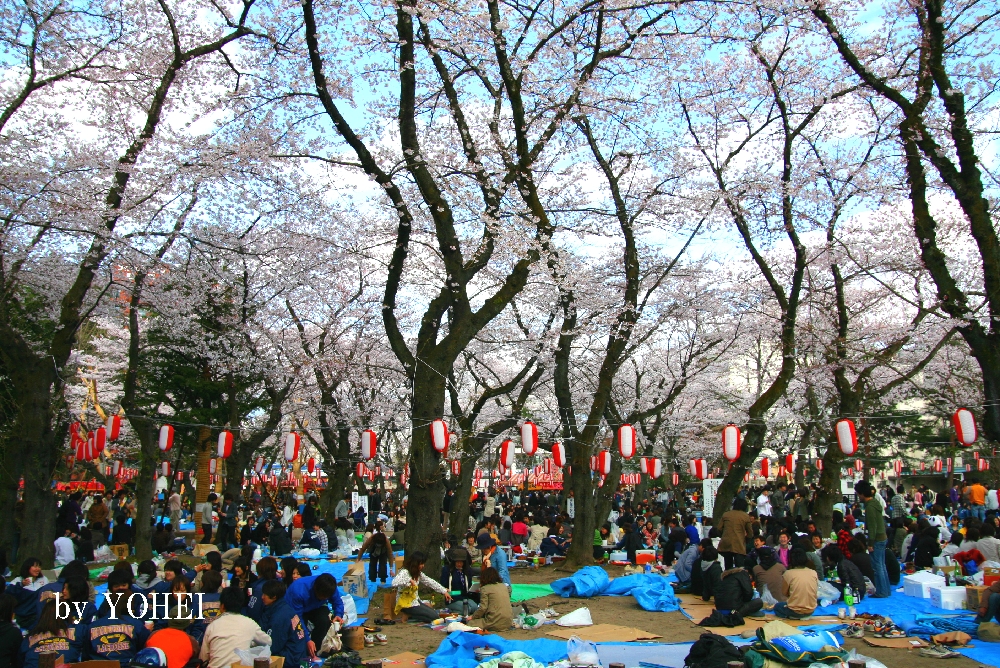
(358, 500)
(571, 507)
(709, 488)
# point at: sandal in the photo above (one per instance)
(385, 622)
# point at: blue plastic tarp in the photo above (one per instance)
(656, 595)
(456, 651)
(585, 583)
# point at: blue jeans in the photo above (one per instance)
(781, 609)
(980, 512)
(881, 574)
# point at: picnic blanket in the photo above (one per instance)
(456, 651)
(526, 592)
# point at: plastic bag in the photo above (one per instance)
(826, 593)
(769, 600)
(350, 610)
(579, 617)
(331, 643)
(247, 656)
(581, 652)
(869, 586)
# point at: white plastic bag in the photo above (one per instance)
(579, 617)
(331, 643)
(247, 656)
(350, 610)
(581, 652)
(826, 593)
(769, 600)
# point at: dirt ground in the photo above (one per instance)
(624, 611)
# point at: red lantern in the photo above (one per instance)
(369, 443)
(937, 466)
(529, 438)
(819, 464)
(116, 468)
(165, 468)
(923, 466)
(548, 466)
(179, 475)
(965, 426)
(897, 466)
(626, 441)
(643, 464)
(699, 469)
(732, 442)
(456, 467)
(604, 462)
(746, 477)
(213, 466)
(593, 462)
(166, 438)
(360, 469)
(100, 440)
(847, 438)
(859, 465)
(292, 443)
(439, 436)
(675, 478)
(559, 454)
(507, 454)
(765, 468)
(790, 464)
(114, 425)
(782, 471)
(258, 466)
(225, 444)
(311, 465)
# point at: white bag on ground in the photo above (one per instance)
(246, 656)
(579, 617)
(331, 643)
(769, 600)
(350, 610)
(827, 593)
(581, 652)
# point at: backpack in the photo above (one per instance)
(712, 651)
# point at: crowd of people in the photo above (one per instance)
(767, 550)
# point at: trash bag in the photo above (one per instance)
(579, 617)
(585, 583)
(712, 651)
(827, 593)
(581, 652)
(246, 656)
(350, 610)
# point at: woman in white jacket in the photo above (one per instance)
(536, 534)
(407, 583)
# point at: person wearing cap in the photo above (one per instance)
(288, 636)
(493, 557)
(308, 597)
(117, 635)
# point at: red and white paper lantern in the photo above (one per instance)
(360, 469)
(965, 426)
(456, 467)
(699, 469)
(292, 443)
(626, 441)
(114, 425)
(166, 438)
(369, 443)
(258, 466)
(529, 438)
(549, 466)
(559, 454)
(897, 466)
(507, 454)
(859, 465)
(604, 462)
(654, 468)
(675, 478)
(938, 465)
(790, 464)
(732, 442)
(439, 436)
(225, 447)
(847, 437)
(165, 469)
(819, 464)
(116, 468)
(213, 466)
(765, 468)
(311, 465)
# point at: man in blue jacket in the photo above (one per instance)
(288, 635)
(308, 598)
(117, 636)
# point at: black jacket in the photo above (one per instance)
(711, 579)
(863, 561)
(927, 547)
(733, 590)
(10, 645)
(850, 574)
(279, 541)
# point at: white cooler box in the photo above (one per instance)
(919, 584)
(623, 556)
(948, 598)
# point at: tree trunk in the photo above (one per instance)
(145, 486)
(753, 441)
(458, 520)
(202, 476)
(828, 491)
(581, 552)
(10, 477)
(41, 458)
(426, 492)
(604, 495)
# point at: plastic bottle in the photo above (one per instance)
(465, 608)
(848, 595)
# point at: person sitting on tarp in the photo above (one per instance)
(800, 587)
(554, 544)
(494, 612)
(684, 568)
(630, 542)
(769, 573)
(456, 578)
(711, 572)
(847, 572)
(734, 593)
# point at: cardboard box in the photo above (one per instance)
(357, 568)
(123, 551)
(276, 662)
(355, 582)
(990, 575)
(948, 598)
(976, 596)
